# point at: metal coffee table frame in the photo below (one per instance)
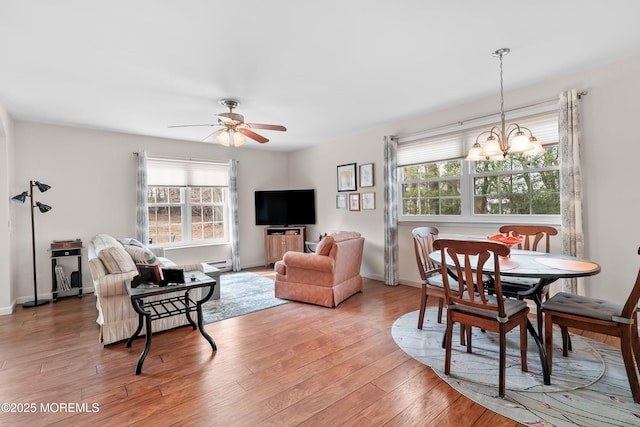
(167, 307)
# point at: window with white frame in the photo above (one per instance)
(188, 201)
(437, 184)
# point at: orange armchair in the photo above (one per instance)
(327, 277)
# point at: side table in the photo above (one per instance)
(169, 306)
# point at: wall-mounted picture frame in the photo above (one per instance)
(368, 200)
(347, 177)
(341, 201)
(354, 201)
(366, 175)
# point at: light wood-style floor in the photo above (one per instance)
(296, 364)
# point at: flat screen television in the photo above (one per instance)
(285, 207)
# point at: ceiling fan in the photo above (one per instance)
(234, 129)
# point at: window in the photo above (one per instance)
(187, 201)
(436, 182)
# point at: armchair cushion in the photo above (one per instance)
(325, 245)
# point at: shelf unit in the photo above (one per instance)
(61, 250)
(278, 240)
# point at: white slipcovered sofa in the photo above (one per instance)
(113, 263)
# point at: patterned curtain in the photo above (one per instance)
(571, 183)
(142, 210)
(233, 223)
(391, 210)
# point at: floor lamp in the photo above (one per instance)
(43, 208)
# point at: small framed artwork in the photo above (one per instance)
(368, 200)
(347, 177)
(149, 273)
(366, 175)
(341, 201)
(354, 201)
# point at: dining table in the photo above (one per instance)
(546, 268)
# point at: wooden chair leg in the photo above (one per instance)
(629, 362)
(565, 340)
(440, 305)
(503, 362)
(423, 307)
(548, 339)
(448, 344)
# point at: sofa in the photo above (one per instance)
(326, 277)
(113, 264)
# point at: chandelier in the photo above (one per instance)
(504, 140)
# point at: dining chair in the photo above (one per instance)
(600, 316)
(535, 238)
(423, 238)
(471, 305)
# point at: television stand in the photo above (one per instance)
(279, 240)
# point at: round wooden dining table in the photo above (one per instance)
(547, 268)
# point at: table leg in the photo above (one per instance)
(186, 304)
(147, 344)
(541, 351)
(199, 313)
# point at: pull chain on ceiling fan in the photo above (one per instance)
(234, 129)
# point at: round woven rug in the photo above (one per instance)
(588, 388)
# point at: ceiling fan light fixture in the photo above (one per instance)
(222, 136)
(238, 139)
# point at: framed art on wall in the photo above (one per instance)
(354, 201)
(366, 175)
(368, 200)
(341, 201)
(347, 177)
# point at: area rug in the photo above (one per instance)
(589, 388)
(241, 293)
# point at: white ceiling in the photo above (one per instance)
(323, 69)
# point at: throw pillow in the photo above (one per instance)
(132, 242)
(116, 260)
(325, 245)
(140, 255)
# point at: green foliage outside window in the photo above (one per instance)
(519, 185)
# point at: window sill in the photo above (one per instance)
(182, 245)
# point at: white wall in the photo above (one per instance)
(92, 174)
(610, 149)
(7, 287)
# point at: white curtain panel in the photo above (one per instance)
(142, 210)
(233, 208)
(391, 210)
(571, 183)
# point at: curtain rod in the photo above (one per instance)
(418, 135)
(135, 153)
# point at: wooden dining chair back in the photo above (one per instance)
(423, 238)
(533, 235)
(471, 305)
(600, 316)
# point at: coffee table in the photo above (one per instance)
(171, 305)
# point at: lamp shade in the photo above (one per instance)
(42, 186)
(21, 197)
(238, 139)
(222, 136)
(43, 208)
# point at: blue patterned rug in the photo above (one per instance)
(240, 293)
(588, 388)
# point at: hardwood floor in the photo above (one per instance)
(295, 364)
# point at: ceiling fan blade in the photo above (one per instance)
(246, 132)
(186, 126)
(267, 127)
(210, 137)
